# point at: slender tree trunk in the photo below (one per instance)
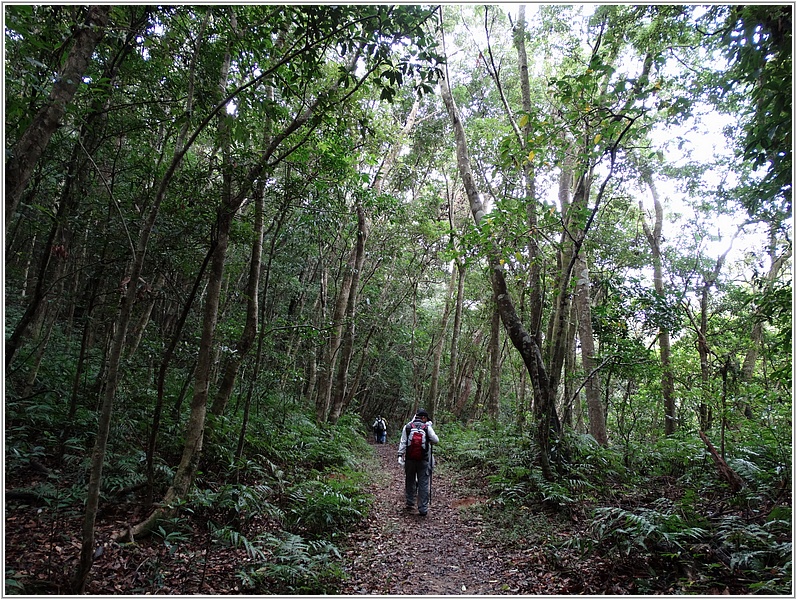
(186, 470)
(114, 358)
(463, 388)
(654, 240)
(558, 340)
(320, 315)
(703, 349)
(704, 409)
(247, 340)
(161, 378)
(454, 351)
(85, 344)
(239, 449)
(535, 259)
(31, 145)
(756, 334)
(523, 342)
(261, 338)
(42, 339)
(332, 348)
(494, 351)
(45, 280)
(355, 383)
(194, 432)
(137, 334)
(571, 400)
(339, 389)
(347, 340)
(28, 262)
(597, 420)
(520, 417)
(438, 347)
(59, 241)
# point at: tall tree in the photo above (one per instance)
(376, 188)
(597, 417)
(654, 237)
(31, 145)
(524, 343)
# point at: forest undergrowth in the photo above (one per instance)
(320, 511)
(651, 520)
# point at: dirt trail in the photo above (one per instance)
(448, 558)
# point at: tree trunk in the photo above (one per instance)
(654, 240)
(494, 351)
(31, 145)
(731, 476)
(701, 330)
(523, 342)
(751, 356)
(597, 420)
(339, 390)
(438, 347)
(355, 384)
(454, 351)
(557, 340)
(42, 339)
(347, 341)
(535, 261)
(704, 409)
(571, 399)
(247, 339)
(59, 242)
(195, 427)
(320, 315)
(464, 386)
(261, 338)
(331, 350)
(161, 379)
(137, 333)
(28, 262)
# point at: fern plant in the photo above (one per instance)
(756, 547)
(228, 536)
(235, 504)
(319, 509)
(294, 565)
(645, 530)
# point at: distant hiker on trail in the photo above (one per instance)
(380, 430)
(415, 455)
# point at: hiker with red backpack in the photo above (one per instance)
(415, 455)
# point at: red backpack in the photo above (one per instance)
(416, 440)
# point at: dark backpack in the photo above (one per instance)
(416, 440)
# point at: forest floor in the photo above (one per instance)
(450, 555)
(399, 552)
(459, 548)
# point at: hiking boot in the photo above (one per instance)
(423, 514)
(409, 507)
